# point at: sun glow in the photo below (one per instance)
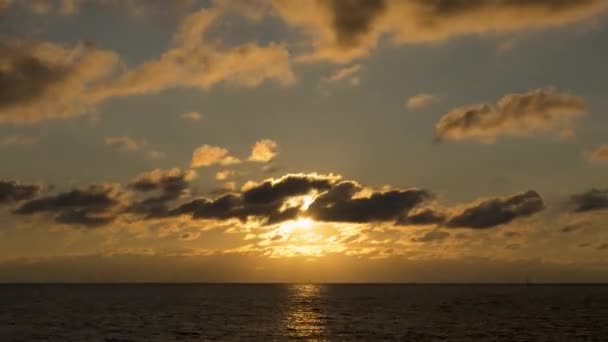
(303, 202)
(300, 223)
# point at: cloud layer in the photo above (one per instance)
(167, 194)
(341, 31)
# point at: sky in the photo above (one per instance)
(303, 141)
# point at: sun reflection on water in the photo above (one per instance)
(306, 316)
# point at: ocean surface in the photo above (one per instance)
(229, 312)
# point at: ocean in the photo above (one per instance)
(305, 312)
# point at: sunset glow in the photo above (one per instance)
(350, 140)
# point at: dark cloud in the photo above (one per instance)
(265, 201)
(574, 227)
(12, 191)
(170, 183)
(93, 206)
(337, 202)
(434, 235)
(28, 77)
(165, 194)
(354, 18)
(498, 211)
(233, 206)
(230, 206)
(343, 30)
(592, 200)
(423, 217)
(288, 186)
(340, 204)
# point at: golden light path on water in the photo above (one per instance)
(306, 316)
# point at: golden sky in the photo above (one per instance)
(295, 141)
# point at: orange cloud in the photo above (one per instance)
(207, 155)
(43, 81)
(600, 154)
(341, 31)
(264, 151)
(191, 116)
(421, 101)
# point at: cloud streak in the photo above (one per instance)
(166, 194)
(43, 80)
(498, 211)
(546, 111)
(341, 31)
(13, 191)
(421, 101)
(600, 154)
(591, 200)
(92, 207)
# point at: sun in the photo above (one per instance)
(300, 223)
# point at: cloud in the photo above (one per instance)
(349, 73)
(165, 194)
(40, 81)
(592, 200)
(91, 207)
(341, 204)
(170, 181)
(171, 184)
(421, 101)
(600, 154)
(265, 201)
(123, 143)
(223, 175)
(207, 155)
(507, 45)
(264, 151)
(43, 80)
(4, 4)
(191, 116)
(498, 211)
(17, 141)
(129, 7)
(538, 111)
(195, 62)
(12, 191)
(433, 235)
(273, 190)
(422, 217)
(569, 228)
(341, 31)
(127, 144)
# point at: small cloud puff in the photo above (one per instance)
(421, 101)
(264, 151)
